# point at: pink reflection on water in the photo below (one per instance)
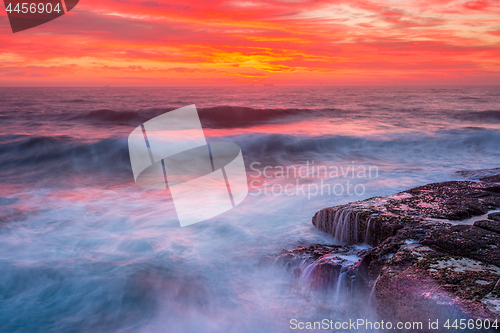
(321, 127)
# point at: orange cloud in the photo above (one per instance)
(240, 41)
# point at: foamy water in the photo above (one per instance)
(83, 248)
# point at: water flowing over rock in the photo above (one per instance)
(323, 267)
(436, 249)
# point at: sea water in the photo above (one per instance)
(83, 249)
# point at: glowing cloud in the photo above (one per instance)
(235, 42)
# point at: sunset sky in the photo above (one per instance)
(235, 42)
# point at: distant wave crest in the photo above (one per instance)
(214, 117)
(58, 155)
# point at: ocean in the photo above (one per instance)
(84, 249)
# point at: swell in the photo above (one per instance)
(214, 117)
(219, 117)
(229, 116)
(404, 147)
(482, 116)
(21, 154)
(36, 157)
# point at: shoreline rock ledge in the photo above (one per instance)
(435, 249)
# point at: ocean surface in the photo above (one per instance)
(84, 249)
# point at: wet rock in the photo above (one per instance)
(430, 257)
(466, 241)
(426, 290)
(321, 266)
(493, 179)
(454, 200)
(373, 220)
(422, 282)
(291, 259)
(494, 216)
(488, 225)
(324, 274)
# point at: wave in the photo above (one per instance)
(42, 156)
(482, 116)
(233, 117)
(105, 116)
(397, 148)
(37, 157)
(77, 100)
(469, 98)
(225, 116)
(214, 117)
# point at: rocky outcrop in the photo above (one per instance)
(434, 251)
(431, 257)
(376, 219)
(488, 225)
(322, 267)
(494, 217)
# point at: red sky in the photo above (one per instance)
(232, 42)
